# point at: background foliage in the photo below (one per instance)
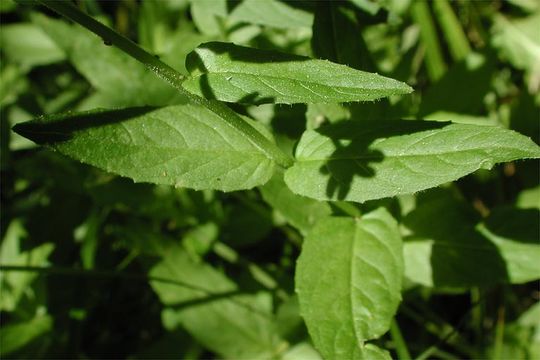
(117, 269)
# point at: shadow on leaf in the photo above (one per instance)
(354, 155)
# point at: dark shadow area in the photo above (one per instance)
(462, 88)
(519, 225)
(58, 128)
(353, 156)
(459, 255)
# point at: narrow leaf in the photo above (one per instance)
(184, 145)
(234, 73)
(353, 161)
(348, 282)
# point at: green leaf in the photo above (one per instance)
(354, 161)
(119, 79)
(15, 284)
(454, 251)
(301, 212)
(234, 73)
(183, 145)
(271, 13)
(519, 43)
(211, 309)
(15, 336)
(208, 15)
(515, 233)
(28, 45)
(348, 281)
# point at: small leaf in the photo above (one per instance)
(348, 282)
(354, 161)
(234, 73)
(183, 145)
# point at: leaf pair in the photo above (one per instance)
(192, 146)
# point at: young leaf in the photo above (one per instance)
(234, 73)
(348, 281)
(353, 161)
(183, 145)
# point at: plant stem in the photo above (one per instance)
(434, 58)
(452, 30)
(170, 75)
(401, 348)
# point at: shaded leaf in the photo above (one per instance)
(301, 212)
(519, 43)
(15, 336)
(15, 284)
(28, 45)
(119, 79)
(211, 309)
(348, 282)
(452, 251)
(234, 73)
(354, 161)
(183, 145)
(271, 13)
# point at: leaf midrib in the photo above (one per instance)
(221, 73)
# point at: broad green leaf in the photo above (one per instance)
(210, 308)
(184, 145)
(27, 45)
(209, 15)
(234, 73)
(355, 161)
(15, 336)
(453, 251)
(271, 13)
(515, 233)
(301, 212)
(119, 79)
(348, 280)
